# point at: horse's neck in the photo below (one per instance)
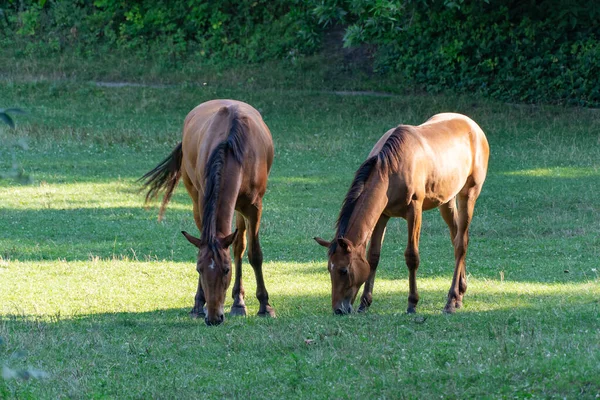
(369, 207)
(228, 194)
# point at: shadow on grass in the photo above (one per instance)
(132, 233)
(524, 220)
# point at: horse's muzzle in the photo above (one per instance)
(343, 309)
(217, 321)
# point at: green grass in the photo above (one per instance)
(96, 292)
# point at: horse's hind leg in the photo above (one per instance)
(466, 205)
(374, 252)
(413, 219)
(253, 215)
(239, 246)
(450, 215)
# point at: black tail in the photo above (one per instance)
(164, 176)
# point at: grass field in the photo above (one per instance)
(96, 293)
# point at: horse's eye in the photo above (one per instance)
(343, 271)
(225, 269)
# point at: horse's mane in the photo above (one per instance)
(234, 145)
(389, 155)
(356, 189)
(386, 161)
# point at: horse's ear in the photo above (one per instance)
(345, 244)
(227, 240)
(193, 240)
(322, 242)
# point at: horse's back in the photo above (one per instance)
(456, 133)
(208, 124)
(448, 127)
(207, 110)
(437, 160)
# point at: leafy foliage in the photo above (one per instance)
(16, 172)
(240, 30)
(517, 50)
(5, 115)
(24, 373)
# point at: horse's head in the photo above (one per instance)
(214, 267)
(348, 270)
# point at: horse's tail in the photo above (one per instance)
(164, 176)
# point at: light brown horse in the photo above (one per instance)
(224, 159)
(411, 169)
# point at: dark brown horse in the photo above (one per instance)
(411, 169)
(224, 159)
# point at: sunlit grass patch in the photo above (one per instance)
(95, 286)
(558, 172)
(80, 195)
(297, 180)
(48, 288)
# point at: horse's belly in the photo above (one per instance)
(443, 188)
(434, 191)
(399, 209)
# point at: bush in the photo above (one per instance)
(16, 172)
(515, 50)
(525, 51)
(244, 30)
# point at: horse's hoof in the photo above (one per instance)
(268, 312)
(195, 313)
(458, 304)
(238, 311)
(411, 310)
(450, 309)
(364, 305)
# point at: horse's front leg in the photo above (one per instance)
(411, 255)
(373, 257)
(255, 256)
(198, 311)
(199, 301)
(238, 307)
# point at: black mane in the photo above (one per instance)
(233, 145)
(389, 156)
(386, 160)
(356, 189)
